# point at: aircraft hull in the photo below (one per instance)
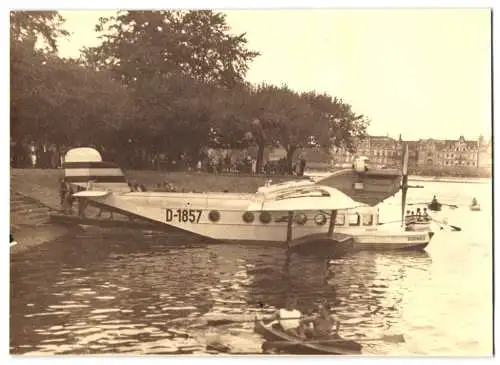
(224, 217)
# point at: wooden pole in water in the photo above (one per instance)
(333, 218)
(289, 227)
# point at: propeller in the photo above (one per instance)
(404, 182)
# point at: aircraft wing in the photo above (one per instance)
(306, 200)
(92, 194)
(370, 187)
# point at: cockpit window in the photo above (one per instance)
(367, 220)
(340, 220)
(302, 193)
(354, 219)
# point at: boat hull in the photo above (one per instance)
(475, 208)
(418, 226)
(434, 207)
(288, 343)
(229, 224)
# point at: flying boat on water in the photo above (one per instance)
(337, 209)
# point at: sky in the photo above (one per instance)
(423, 73)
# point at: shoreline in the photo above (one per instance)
(451, 179)
(423, 178)
(45, 190)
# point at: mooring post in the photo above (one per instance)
(333, 218)
(289, 227)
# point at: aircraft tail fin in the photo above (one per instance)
(84, 167)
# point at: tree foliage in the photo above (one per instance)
(55, 100)
(164, 82)
(141, 45)
(32, 26)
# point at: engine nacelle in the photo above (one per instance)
(361, 164)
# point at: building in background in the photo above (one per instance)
(448, 153)
(484, 156)
(387, 151)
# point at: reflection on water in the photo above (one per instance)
(128, 292)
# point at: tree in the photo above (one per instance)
(33, 26)
(173, 115)
(345, 127)
(144, 44)
(59, 101)
(279, 116)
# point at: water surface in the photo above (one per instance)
(119, 291)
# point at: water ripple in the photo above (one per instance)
(124, 292)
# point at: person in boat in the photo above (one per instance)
(324, 325)
(408, 217)
(474, 202)
(425, 214)
(419, 214)
(434, 201)
(290, 318)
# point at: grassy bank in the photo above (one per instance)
(48, 179)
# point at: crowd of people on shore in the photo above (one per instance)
(35, 155)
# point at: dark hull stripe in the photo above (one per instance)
(95, 178)
(89, 165)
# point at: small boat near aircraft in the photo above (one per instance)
(294, 213)
(294, 345)
(434, 205)
(475, 206)
(418, 223)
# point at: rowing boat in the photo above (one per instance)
(475, 208)
(434, 206)
(294, 345)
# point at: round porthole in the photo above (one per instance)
(301, 219)
(214, 216)
(265, 217)
(248, 217)
(320, 219)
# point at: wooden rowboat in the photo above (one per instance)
(294, 345)
(436, 207)
(475, 208)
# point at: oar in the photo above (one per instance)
(386, 338)
(221, 322)
(454, 228)
(427, 203)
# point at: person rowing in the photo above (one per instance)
(323, 323)
(290, 319)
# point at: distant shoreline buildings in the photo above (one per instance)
(425, 153)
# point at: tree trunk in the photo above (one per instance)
(260, 158)
(289, 159)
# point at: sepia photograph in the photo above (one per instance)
(208, 182)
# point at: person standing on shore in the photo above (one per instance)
(69, 199)
(302, 165)
(33, 154)
(63, 189)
